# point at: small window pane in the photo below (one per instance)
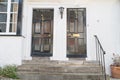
(81, 46)
(46, 45)
(47, 14)
(37, 42)
(71, 45)
(3, 7)
(47, 26)
(80, 22)
(81, 42)
(2, 27)
(3, 17)
(13, 27)
(14, 7)
(13, 17)
(36, 16)
(72, 28)
(14, 0)
(3, 0)
(37, 27)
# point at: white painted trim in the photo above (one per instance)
(8, 16)
(28, 6)
(10, 33)
(8, 19)
(53, 5)
(27, 55)
(29, 31)
(69, 5)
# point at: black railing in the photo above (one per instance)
(100, 56)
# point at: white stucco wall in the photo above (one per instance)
(10, 50)
(102, 19)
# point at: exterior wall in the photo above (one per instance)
(102, 19)
(10, 50)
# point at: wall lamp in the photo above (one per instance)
(61, 9)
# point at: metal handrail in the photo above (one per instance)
(100, 56)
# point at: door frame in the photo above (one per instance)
(28, 29)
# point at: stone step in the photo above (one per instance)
(60, 69)
(41, 64)
(74, 62)
(60, 76)
(40, 58)
(42, 68)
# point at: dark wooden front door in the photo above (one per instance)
(76, 32)
(42, 32)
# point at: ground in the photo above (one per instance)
(114, 79)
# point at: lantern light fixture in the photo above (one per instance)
(61, 9)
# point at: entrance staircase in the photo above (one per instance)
(42, 68)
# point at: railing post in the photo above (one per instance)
(104, 65)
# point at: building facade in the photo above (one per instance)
(59, 29)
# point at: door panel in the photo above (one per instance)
(76, 32)
(42, 32)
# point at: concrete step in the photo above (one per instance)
(42, 68)
(62, 69)
(61, 63)
(60, 66)
(71, 62)
(60, 76)
(41, 58)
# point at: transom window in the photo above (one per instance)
(8, 16)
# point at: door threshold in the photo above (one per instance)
(76, 55)
(77, 59)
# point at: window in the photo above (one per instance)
(8, 17)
